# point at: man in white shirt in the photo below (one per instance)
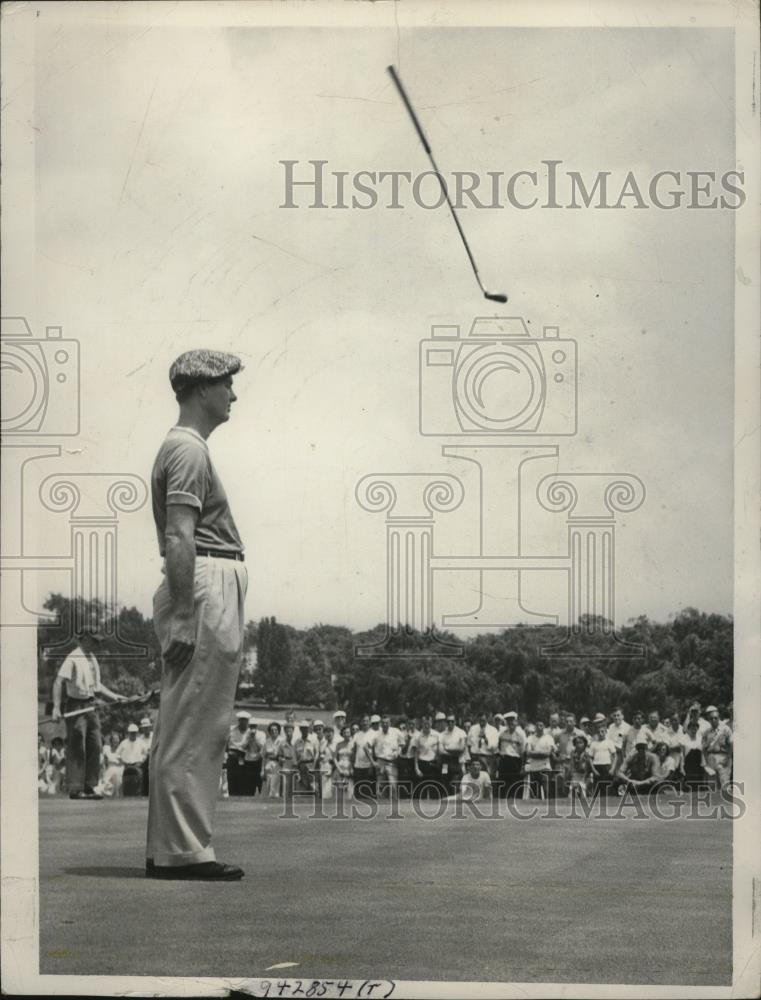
(77, 683)
(603, 754)
(363, 761)
(426, 751)
(717, 747)
(655, 732)
(693, 715)
(476, 783)
(482, 743)
(555, 728)
(617, 731)
(132, 755)
(540, 750)
(386, 749)
(636, 729)
(146, 735)
(452, 752)
(511, 745)
(237, 741)
(253, 760)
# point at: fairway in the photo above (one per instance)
(592, 900)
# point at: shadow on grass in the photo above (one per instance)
(93, 871)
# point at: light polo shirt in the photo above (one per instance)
(131, 751)
(363, 743)
(602, 752)
(717, 741)
(658, 735)
(512, 744)
(427, 746)
(472, 789)
(254, 745)
(454, 741)
(387, 744)
(703, 724)
(617, 734)
(81, 673)
(183, 473)
(564, 743)
(237, 740)
(482, 741)
(631, 738)
(544, 745)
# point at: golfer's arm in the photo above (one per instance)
(57, 693)
(181, 557)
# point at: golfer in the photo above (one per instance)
(198, 617)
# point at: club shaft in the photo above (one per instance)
(426, 146)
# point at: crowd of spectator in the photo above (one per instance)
(123, 763)
(498, 754)
(438, 755)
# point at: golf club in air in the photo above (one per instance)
(493, 296)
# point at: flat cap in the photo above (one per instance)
(511, 715)
(200, 364)
(338, 713)
(146, 721)
(243, 715)
(440, 717)
(600, 717)
(132, 728)
(374, 718)
(711, 708)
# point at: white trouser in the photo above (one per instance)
(194, 715)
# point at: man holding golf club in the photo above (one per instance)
(77, 683)
(199, 620)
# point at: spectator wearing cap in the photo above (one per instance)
(199, 621)
(655, 732)
(375, 723)
(146, 735)
(638, 773)
(237, 743)
(540, 751)
(717, 748)
(426, 751)
(511, 747)
(603, 757)
(386, 750)
(57, 766)
(363, 761)
(452, 753)
(635, 731)
(307, 747)
(113, 769)
(482, 743)
(271, 753)
(131, 754)
(75, 688)
(586, 727)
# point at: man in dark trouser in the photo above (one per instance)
(452, 751)
(363, 761)
(426, 748)
(74, 690)
(511, 745)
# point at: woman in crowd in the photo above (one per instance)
(579, 767)
(343, 755)
(113, 769)
(272, 743)
(665, 769)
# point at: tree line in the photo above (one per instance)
(687, 658)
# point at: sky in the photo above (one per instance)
(158, 227)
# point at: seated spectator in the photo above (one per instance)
(637, 774)
(57, 767)
(665, 768)
(476, 783)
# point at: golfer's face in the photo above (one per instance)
(365, 724)
(219, 398)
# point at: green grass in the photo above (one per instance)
(501, 900)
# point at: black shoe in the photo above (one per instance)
(93, 796)
(90, 793)
(206, 871)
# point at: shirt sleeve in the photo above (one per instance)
(187, 474)
(66, 668)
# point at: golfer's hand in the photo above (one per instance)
(57, 715)
(182, 642)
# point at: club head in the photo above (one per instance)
(495, 297)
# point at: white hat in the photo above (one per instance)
(511, 715)
(440, 717)
(339, 712)
(600, 718)
(243, 715)
(318, 722)
(498, 715)
(711, 708)
(146, 722)
(304, 724)
(374, 718)
(132, 728)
